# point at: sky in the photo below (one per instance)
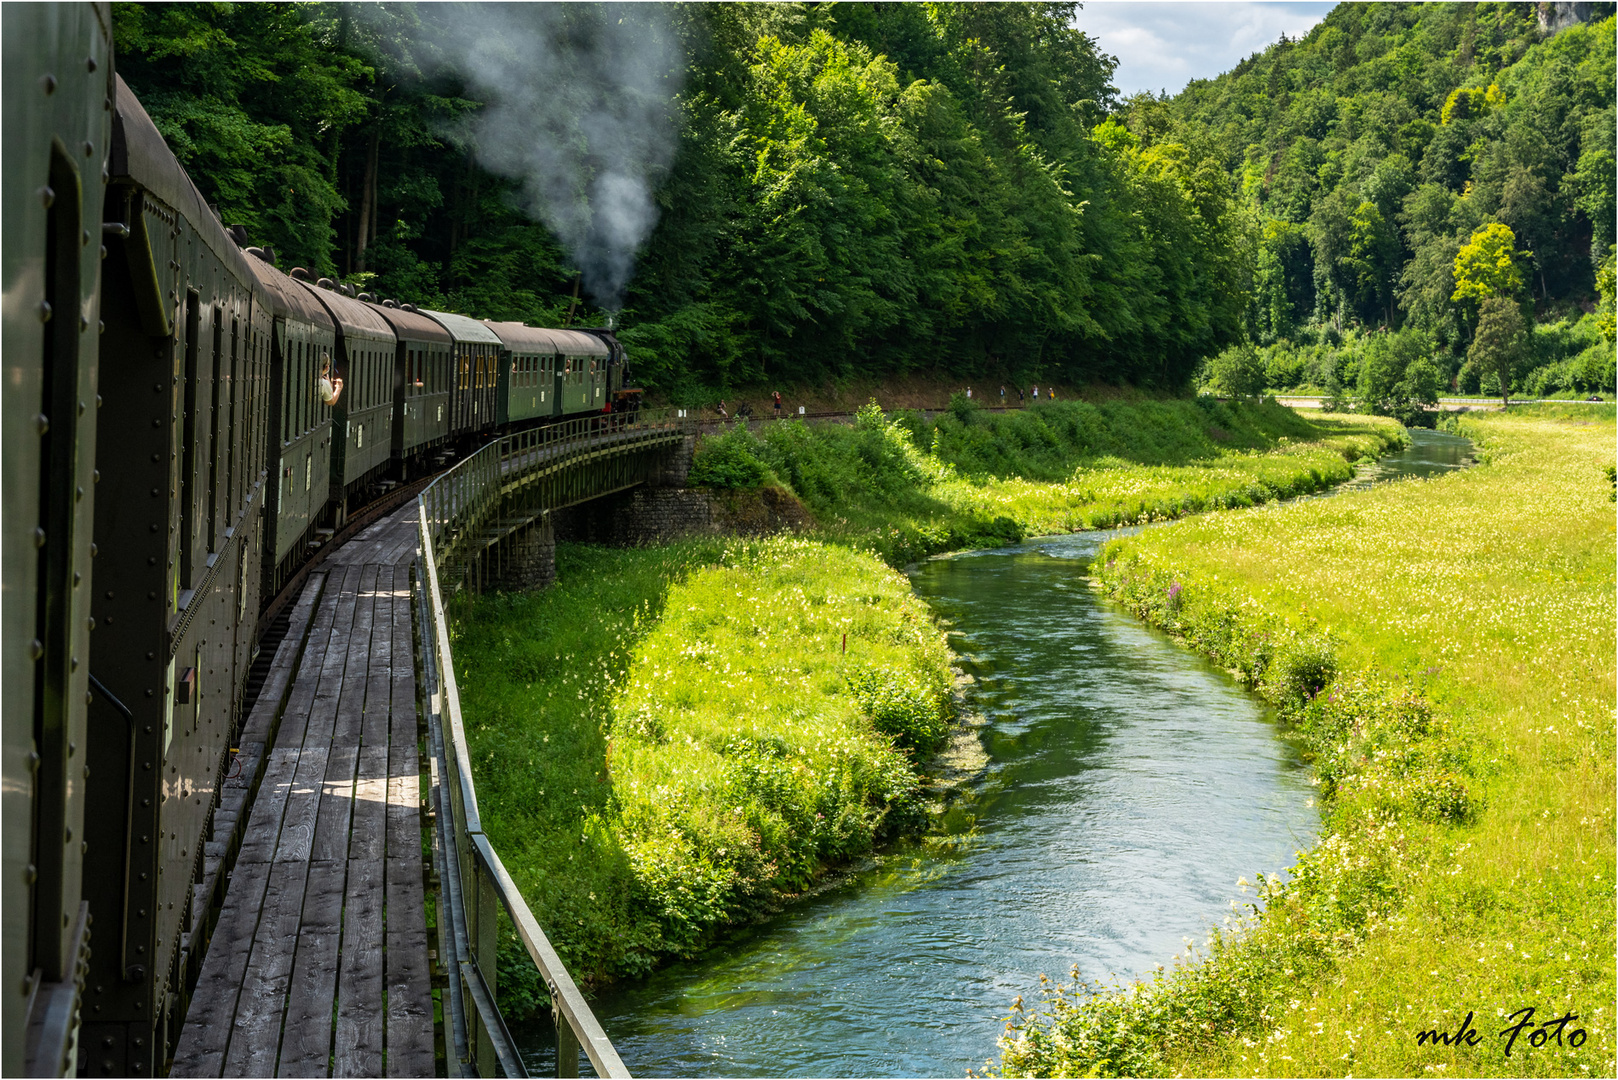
(1163, 46)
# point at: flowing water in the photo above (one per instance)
(1129, 784)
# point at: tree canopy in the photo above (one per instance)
(876, 188)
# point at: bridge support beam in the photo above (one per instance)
(674, 468)
(527, 559)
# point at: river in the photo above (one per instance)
(1129, 784)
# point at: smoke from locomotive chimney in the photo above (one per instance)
(579, 109)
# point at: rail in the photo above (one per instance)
(496, 490)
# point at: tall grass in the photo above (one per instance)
(910, 487)
(1445, 651)
(673, 739)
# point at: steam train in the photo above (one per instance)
(183, 422)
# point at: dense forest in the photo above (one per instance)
(1417, 176)
(800, 192)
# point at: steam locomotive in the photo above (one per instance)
(183, 423)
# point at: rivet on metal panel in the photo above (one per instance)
(89, 148)
(47, 83)
(47, 195)
(42, 423)
(36, 649)
(39, 538)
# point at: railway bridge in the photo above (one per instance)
(351, 800)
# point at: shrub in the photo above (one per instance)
(729, 460)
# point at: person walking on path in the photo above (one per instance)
(1002, 395)
(1022, 398)
(969, 393)
(778, 404)
(1036, 391)
(722, 413)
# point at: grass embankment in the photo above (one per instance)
(909, 487)
(673, 739)
(1444, 652)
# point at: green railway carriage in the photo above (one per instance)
(474, 389)
(303, 336)
(362, 415)
(583, 383)
(421, 383)
(58, 70)
(528, 372)
(185, 361)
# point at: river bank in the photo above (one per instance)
(1443, 651)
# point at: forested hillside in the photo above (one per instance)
(801, 191)
(854, 188)
(1410, 168)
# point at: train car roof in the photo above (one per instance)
(410, 325)
(538, 339)
(139, 153)
(289, 298)
(353, 316)
(463, 328)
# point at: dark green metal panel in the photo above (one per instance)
(57, 65)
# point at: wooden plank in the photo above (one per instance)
(302, 806)
(210, 1020)
(336, 806)
(409, 985)
(402, 710)
(261, 721)
(323, 709)
(264, 826)
(360, 1033)
(350, 699)
(374, 722)
(300, 701)
(306, 1041)
(367, 838)
(256, 1042)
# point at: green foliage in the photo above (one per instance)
(1485, 266)
(749, 750)
(728, 460)
(658, 757)
(1500, 341)
(1397, 377)
(1376, 148)
(1236, 372)
(856, 190)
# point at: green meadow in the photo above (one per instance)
(1442, 650)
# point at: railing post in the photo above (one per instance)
(567, 1043)
(484, 939)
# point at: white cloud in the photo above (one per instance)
(1163, 46)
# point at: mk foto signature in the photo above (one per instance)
(1538, 1035)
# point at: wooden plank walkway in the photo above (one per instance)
(318, 962)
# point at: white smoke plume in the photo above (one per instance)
(579, 110)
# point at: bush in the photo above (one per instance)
(1236, 372)
(729, 460)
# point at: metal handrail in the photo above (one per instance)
(509, 481)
